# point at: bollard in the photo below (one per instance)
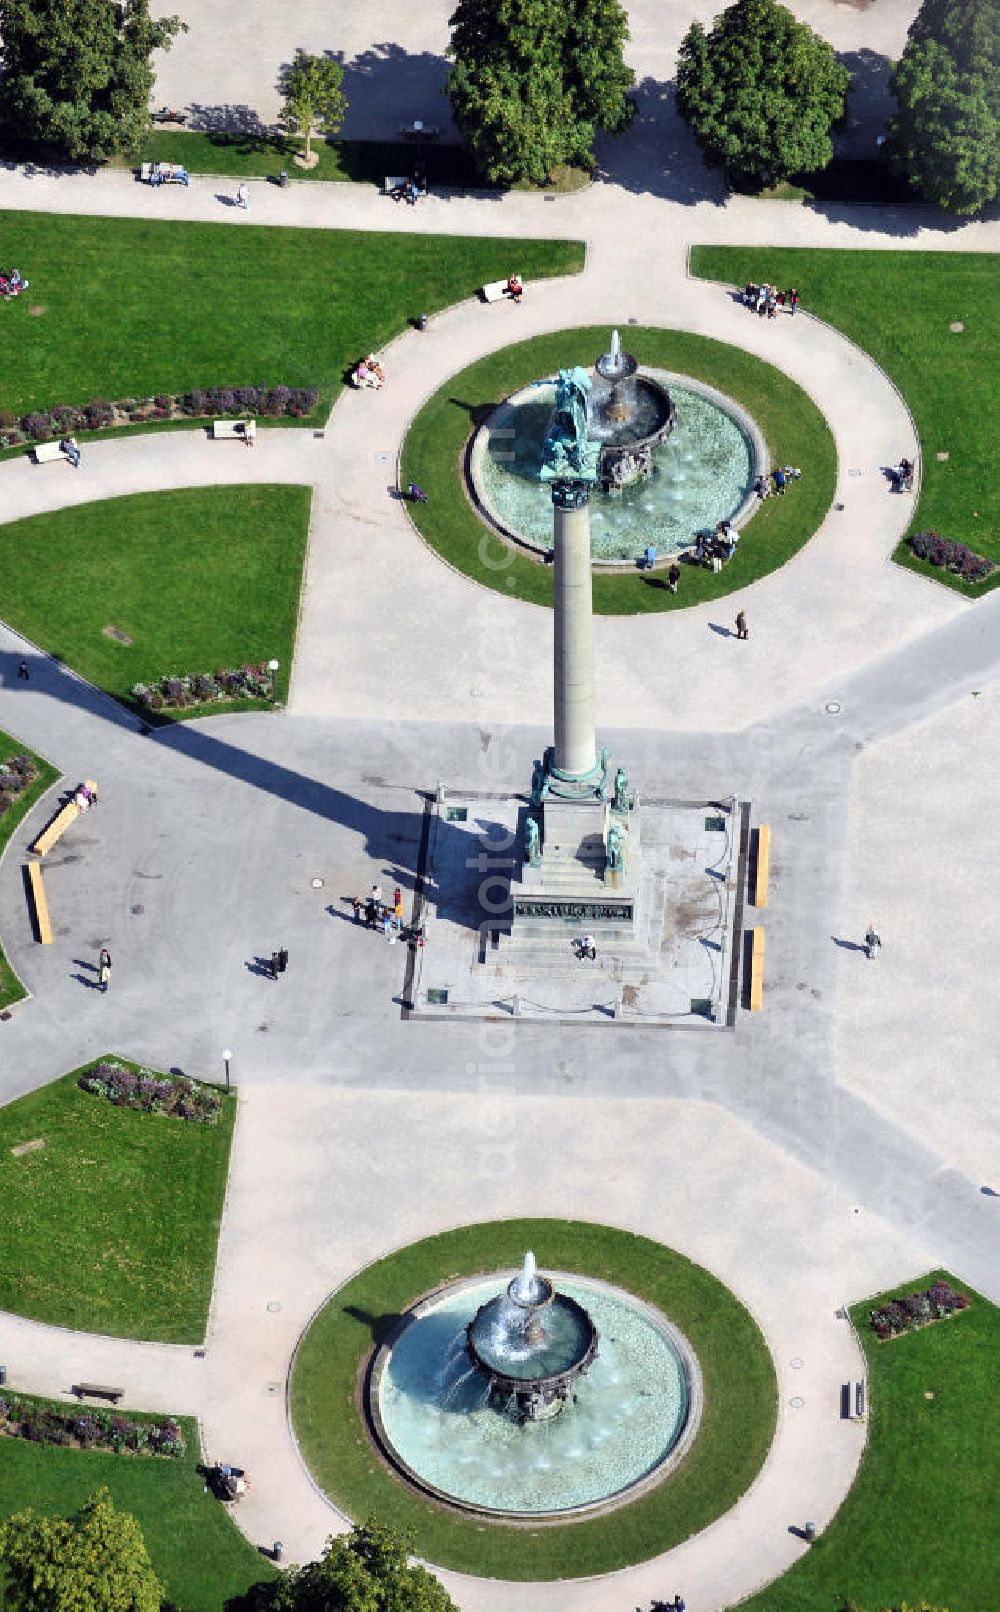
(810, 1532)
(276, 1550)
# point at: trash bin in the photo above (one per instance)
(422, 322)
(277, 1551)
(283, 178)
(810, 1532)
(3, 1375)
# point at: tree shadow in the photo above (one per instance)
(870, 103)
(381, 1327)
(658, 155)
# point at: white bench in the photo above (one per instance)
(496, 289)
(46, 451)
(394, 184)
(228, 430)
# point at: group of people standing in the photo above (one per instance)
(768, 300)
(384, 915)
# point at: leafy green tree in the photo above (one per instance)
(95, 1561)
(760, 92)
(363, 1571)
(534, 80)
(945, 136)
(77, 74)
(314, 100)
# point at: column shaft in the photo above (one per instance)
(575, 745)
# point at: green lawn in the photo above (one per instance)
(736, 1427)
(264, 156)
(199, 579)
(899, 306)
(919, 1522)
(794, 430)
(134, 308)
(112, 1226)
(199, 1554)
(11, 989)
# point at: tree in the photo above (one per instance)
(77, 74)
(364, 1571)
(534, 80)
(314, 100)
(761, 92)
(95, 1561)
(945, 136)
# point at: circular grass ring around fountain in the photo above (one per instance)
(436, 443)
(737, 1423)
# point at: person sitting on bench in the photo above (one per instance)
(902, 476)
(514, 287)
(70, 447)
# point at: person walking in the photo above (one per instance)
(793, 300)
(273, 965)
(104, 969)
(397, 909)
(371, 913)
(873, 943)
(742, 630)
(22, 670)
(356, 904)
(388, 927)
(673, 577)
(588, 947)
(282, 960)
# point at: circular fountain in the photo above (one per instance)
(530, 1344)
(533, 1401)
(677, 457)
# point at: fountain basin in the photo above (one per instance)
(632, 1417)
(702, 470)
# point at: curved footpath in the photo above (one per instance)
(787, 1237)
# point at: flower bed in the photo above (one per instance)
(955, 557)
(251, 682)
(151, 1093)
(916, 1310)
(87, 1429)
(16, 773)
(216, 402)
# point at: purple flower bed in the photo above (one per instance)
(250, 682)
(89, 1430)
(216, 401)
(151, 1093)
(955, 557)
(16, 773)
(916, 1310)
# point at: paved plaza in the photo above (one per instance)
(830, 1146)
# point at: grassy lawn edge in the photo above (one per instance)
(794, 429)
(736, 1430)
(898, 308)
(66, 1258)
(912, 1527)
(167, 1496)
(11, 988)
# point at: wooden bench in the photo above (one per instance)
(757, 972)
(763, 865)
(46, 451)
(230, 430)
(394, 185)
(42, 922)
(496, 290)
(98, 1391)
(859, 1401)
(60, 823)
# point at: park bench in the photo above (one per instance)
(763, 865)
(496, 290)
(394, 185)
(757, 971)
(98, 1391)
(418, 130)
(60, 823)
(234, 430)
(859, 1401)
(42, 922)
(46, 451)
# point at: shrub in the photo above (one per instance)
(150, 1093)
(278, 399)
(37, 426)
(955, 557)
(54, 1424)
(195, 402)
(915, 1309)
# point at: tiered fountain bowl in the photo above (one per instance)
(533, 1402)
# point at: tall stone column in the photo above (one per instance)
(573, 667)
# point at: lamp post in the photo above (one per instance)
(226, 1056)
(272, 667)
